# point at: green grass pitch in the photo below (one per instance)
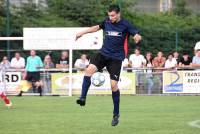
(139, 115)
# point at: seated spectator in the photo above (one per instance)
(47, 62)
(5, 63)
(64, 60)
(81, 63)
(196, 59)
(137, 60)
(185, 61)
(159, 61)
(17, 62)
(170, 62)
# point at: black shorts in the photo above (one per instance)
(112, 65)
(33, 76)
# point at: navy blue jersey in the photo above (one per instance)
(115, 36)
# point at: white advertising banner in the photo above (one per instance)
(191, 81)
(181, 82)
(60, 39)
(10, 82)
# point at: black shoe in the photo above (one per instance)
(20, 94)
(115, 120)
(81, 101)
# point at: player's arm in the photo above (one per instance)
(134, 32)
(89, 30)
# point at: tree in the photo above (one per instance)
(180, 8)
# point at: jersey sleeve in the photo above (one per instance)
(102, 25)
(131, 29)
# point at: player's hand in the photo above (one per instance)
(137, 38)
(78, 35)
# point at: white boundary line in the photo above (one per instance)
(195, 124)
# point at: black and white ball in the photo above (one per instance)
(98, 79)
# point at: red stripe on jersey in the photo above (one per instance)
(126, 45)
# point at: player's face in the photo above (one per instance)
(113, 16)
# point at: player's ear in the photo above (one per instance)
(119, 14)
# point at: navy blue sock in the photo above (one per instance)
(85, 86)
(116, 101)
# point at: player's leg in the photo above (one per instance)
(5, 99)
(37, 84)
(91, 69)
(114, 68)
(28, 77)
(95, 64)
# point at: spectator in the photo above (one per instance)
(5, 63)
(81, 63)
(171, 62)
(196, 59)
(176, 57)
(64, 60)
(185, 61)
(17, 62)
(149, 76)
(125, 64)
(34, 62)
(137, 60)
(48, 62)
(159, 61)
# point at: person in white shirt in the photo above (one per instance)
(18, 62)
(125, 65)
(137, 60)
(170, 62)
(81, 63)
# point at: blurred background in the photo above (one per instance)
(167, 25)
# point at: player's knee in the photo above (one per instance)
(90, 70)
(114, 87)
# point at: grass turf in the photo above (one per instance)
(139, 115)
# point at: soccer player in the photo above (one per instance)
(3, 96)
(7, 101)
(111, 54)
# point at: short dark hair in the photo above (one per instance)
(114, 8)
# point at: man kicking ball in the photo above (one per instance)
(111, 54)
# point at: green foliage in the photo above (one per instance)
(180, 8)
(158, 30)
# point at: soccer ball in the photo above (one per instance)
(98, 79)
